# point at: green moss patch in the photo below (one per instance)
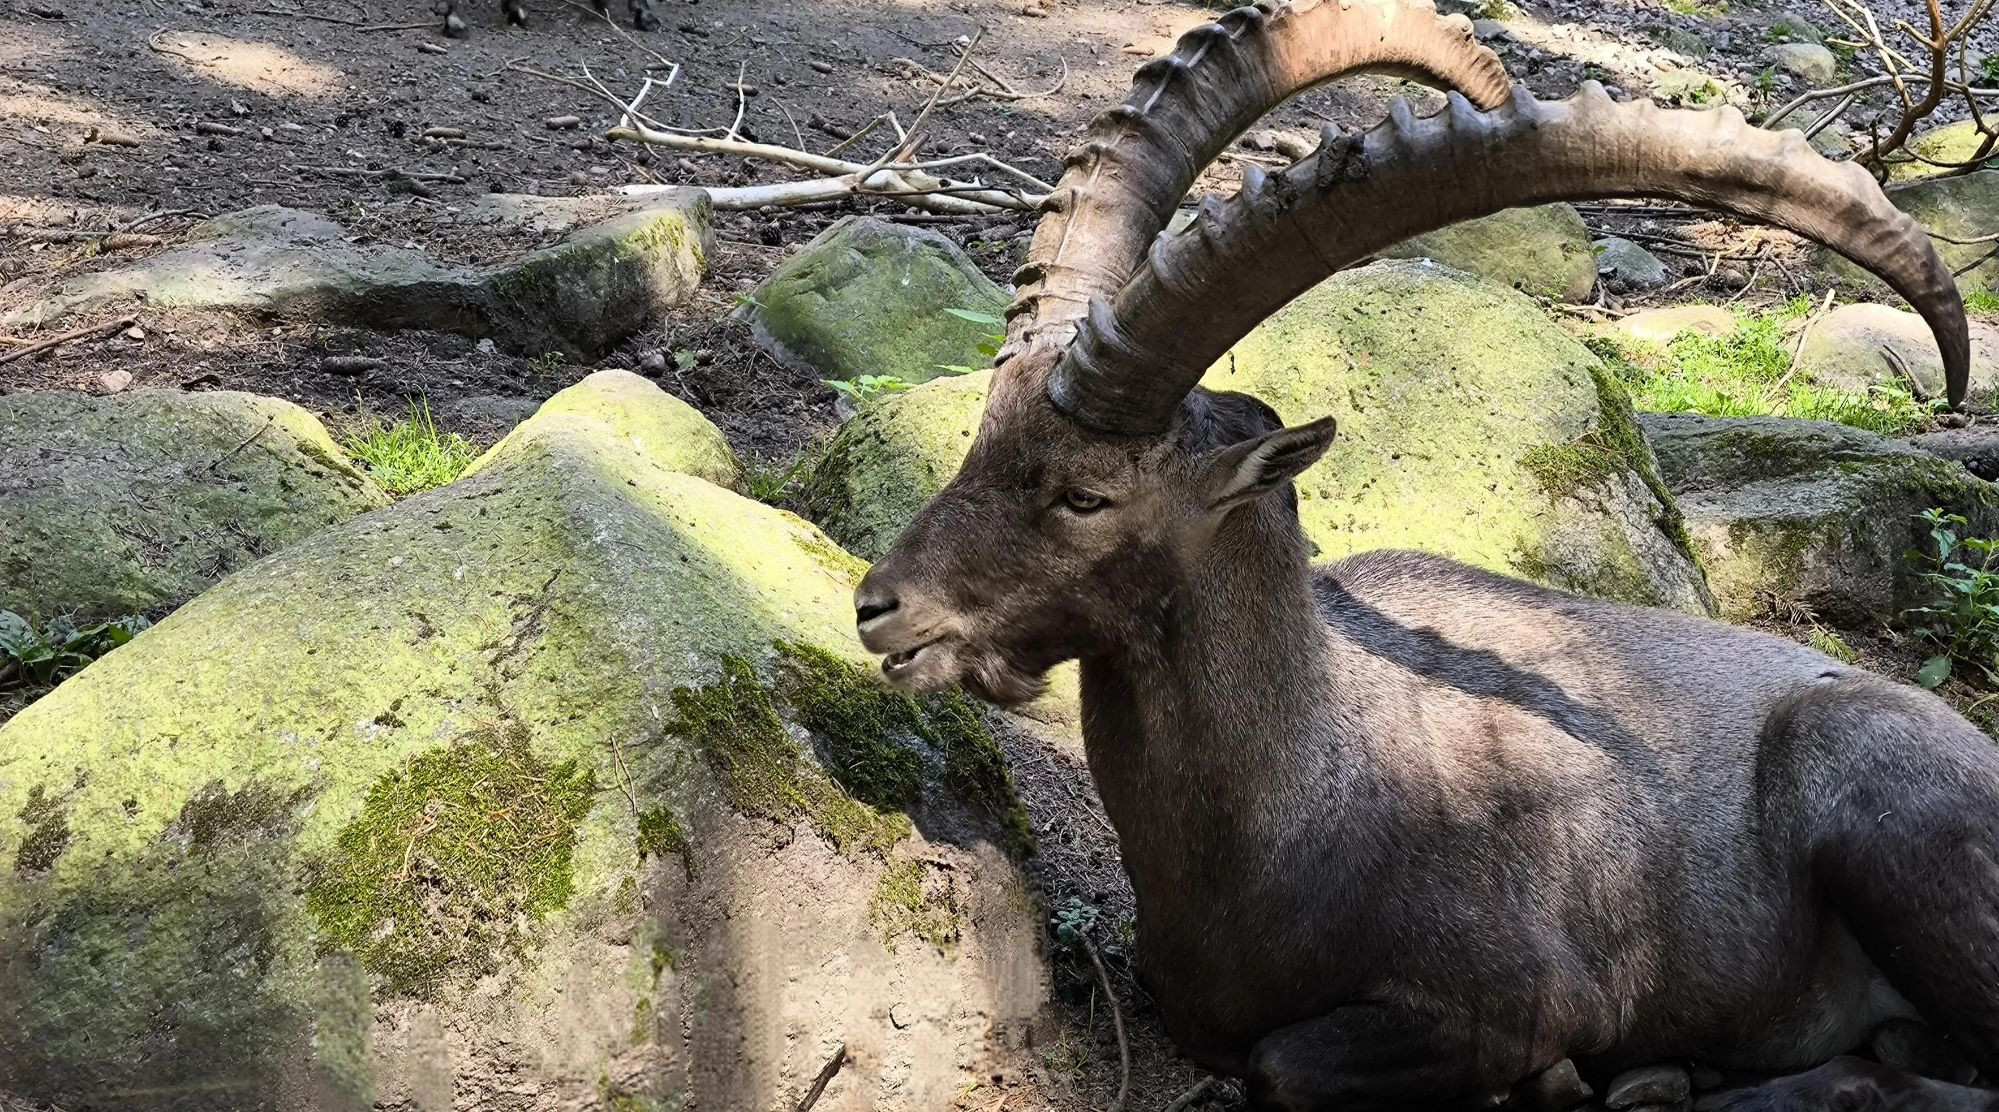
(735, 722)
(48, 833)
(660, 833)
(453, 860)
(862, 731)
(908, 903)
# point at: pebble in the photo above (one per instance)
(653, 362)
(113, 382)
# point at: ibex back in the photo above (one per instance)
(1403, 833)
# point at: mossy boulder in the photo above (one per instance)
(1626, 264)
(1544, 251)
(1951, 144)
(867, 297)
(1470, 425)
(137, 502)
(578, 296)
(620, 411)
(1857, 346)
(1809, 515)
(1962, 207)
(563, 785)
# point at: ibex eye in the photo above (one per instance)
(1083, 501)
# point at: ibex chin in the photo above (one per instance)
(1404, 833)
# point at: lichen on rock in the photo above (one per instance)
(1809, 515)
(137, 502)
(871, 297)
(1543, 250)
(435, 752)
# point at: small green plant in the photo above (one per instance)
(546, 363)
(866, 388)
(768, 484)
(31, 657)
(410, 456)
(1988, 68)
(1766, 82)
(988, 346)
(1983, 302)
(1962, 616)
(1831, 644)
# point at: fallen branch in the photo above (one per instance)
(89, 333)
(1117, 1024)
(107, 239)
(354, 23)
(824, 1079)
(1193, 1095)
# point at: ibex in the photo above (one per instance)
(1403, 833)
(516, 12)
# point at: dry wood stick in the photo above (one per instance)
(91, 332)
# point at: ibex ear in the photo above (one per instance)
(1244, 471)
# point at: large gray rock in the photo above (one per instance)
(578, 296)
(867, 297)
(138, 502)
(563, 786)
(1544, 251)
(1470, 425)
(1856, 346)
(1808, 61)
(1622, 261)
(1809, 515)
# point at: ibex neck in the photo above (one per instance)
(1202, 743)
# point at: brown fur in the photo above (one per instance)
(1403, 833)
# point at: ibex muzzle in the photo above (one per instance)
(1403, 833)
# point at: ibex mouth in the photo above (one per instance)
(898, 661)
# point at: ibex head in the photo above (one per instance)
(1102, 475)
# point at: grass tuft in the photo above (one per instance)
(410, 456)
(1747, 373)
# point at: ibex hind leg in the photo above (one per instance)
(516, 11)
(1897, 799)
(1365, 1058)
(642, 15)
(1852, 1085)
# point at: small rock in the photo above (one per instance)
(1557, 1088)
(562, 123)
(134, 333)
(1684, 43)
(1659, 326)
(1808, 61)
(1791, 27)
(1666, 1085)
(114, 382)
(485, 346)
(1489, 30)
(1624, 261)
(653, 362)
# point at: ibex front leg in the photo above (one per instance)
(1367, 1057)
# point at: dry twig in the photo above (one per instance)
(824, 1079)
(1117, 1024)
(90, 332)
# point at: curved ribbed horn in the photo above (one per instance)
(1139, 159)
(1134, 360)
